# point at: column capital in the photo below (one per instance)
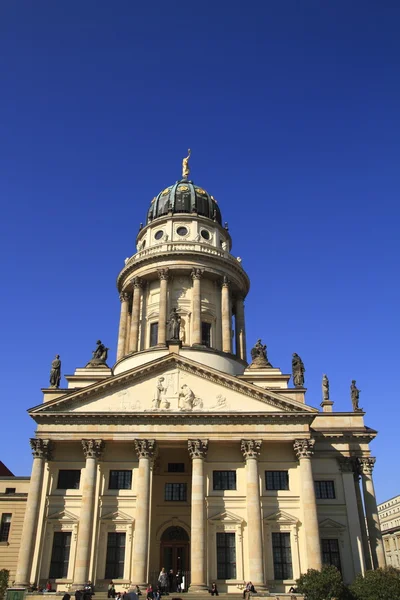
(163, 274)
(197, 273)
(93, 448)
(347, 464)
(304, 448)
(124, 296)
(137, 283)
(197, 448)
(145, 448)
(366, 464)
(41, 448)
(250, 448)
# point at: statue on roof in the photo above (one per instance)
(325, 388)
(185, 166)
(259, 356)
(55, 373)
(99, 355)
(298, 371)
(355, 396)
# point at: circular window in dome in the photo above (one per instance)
(205, 234)
(182, 231)
(158, 234)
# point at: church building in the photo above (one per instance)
(182, 454)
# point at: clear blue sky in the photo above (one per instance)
(291, 109)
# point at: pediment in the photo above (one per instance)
(281, 517)
(226, 517)
(331, 524)
(171, 384)
(64, 516)
(117, 516)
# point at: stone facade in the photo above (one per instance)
(389, 518)
(182, 456)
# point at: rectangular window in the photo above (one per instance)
(277, 480)
(325, 490)
(60, 555)
(5, 527)
(226, 556)
(206, 334)
(115, 556)
(120, 480)
(175, 492)
(330, 553)
(69, 479)
(153, 334)
(224, 480)
(282, 556)
(10, 490)
(176, 467)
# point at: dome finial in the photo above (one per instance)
(185, 166)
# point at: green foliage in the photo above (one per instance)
(4, 574)
(326, 584)
(381, 584)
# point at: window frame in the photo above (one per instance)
(170, 490)
(324, 494)
(63, 473)
(126, 477)
(277, 480)
(219, 487)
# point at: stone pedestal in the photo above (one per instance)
(198, 452)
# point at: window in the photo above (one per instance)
(153, 334)
(324, 490)
(330, 553)
(226, 556)
(176, 467)
(277, 480)
(282, 556)
(5, 527)
(224, 480)
(60, 555)
(175, 492)
(115, 556)
(10, 490)
(206, 334)
(69, 479)
(120, 480)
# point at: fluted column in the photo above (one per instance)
(145, 449)
(196, 306)
(304, 449)
(41, 450)
(93, 450)
(134, 333)
(371, 512)
(251, 451)
(162, 313)
(123, 321)
(240, 332)
(361, 517)
(346, 466)
(226, 317)
(198, 452)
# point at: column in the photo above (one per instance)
(41, 450)
(196, 306)
(198, 452)
(92, 450)
(251, 451)
(304, 449)
(145, 449)
(346, 466)
(240, 333)
(371, 512)
(361, 518)
(162, 312)
(134, 332)
(226, 317)
(124, 297)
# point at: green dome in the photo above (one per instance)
(184, 197)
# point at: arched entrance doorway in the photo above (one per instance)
(175, 550)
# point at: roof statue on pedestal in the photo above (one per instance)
(259, 359)
(298, 371)
(355, 396)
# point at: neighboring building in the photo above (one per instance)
(389, 518)
(13, 497)
(182, 455)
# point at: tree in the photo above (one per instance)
(326, 584)
(4, 574)
(381, 584)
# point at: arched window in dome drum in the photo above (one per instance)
(182, 200)
(202, 205)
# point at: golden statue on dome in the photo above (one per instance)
(185, 166)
